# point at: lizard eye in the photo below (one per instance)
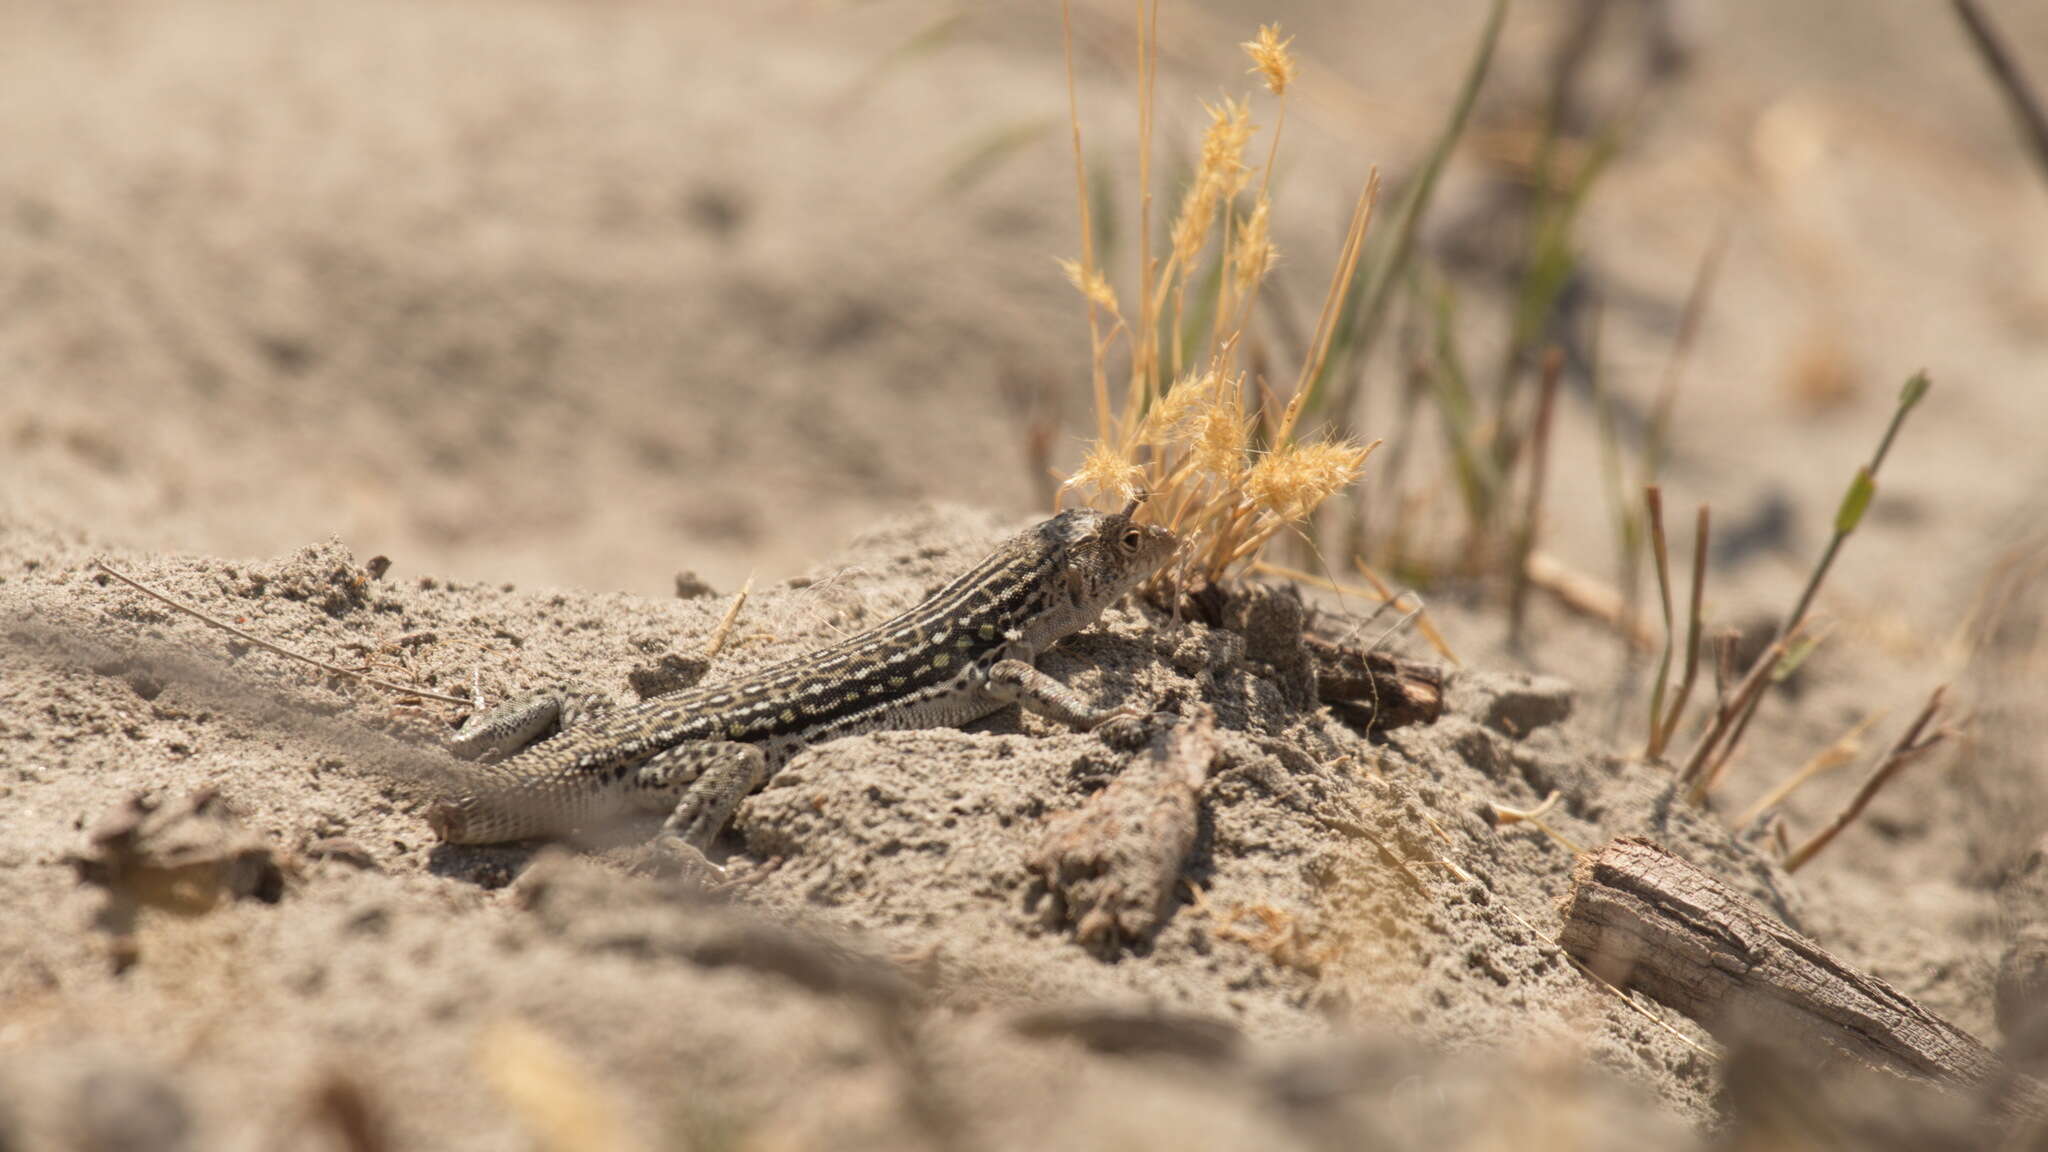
(1131, 540)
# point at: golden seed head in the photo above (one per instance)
(1271, 59)
(1219, 176)
(1170, 421)
(1107, 473)
(1090, 282)
(1290, 482)
(1221, 433)
(1223, 143)
(1253, 251)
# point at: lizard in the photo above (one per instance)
(559, 761)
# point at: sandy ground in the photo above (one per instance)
(550, 303)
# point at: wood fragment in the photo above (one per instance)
(1642, 918)
(1114, 865)
(1393, 692)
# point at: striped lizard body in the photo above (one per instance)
(963, 653)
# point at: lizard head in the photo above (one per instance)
(1107, 554)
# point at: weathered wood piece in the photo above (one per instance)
(1642, 918)
(1390, 691)
(1113, 865)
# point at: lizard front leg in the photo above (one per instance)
(1013, 681)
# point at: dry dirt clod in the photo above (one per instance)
(1112, 867)
(342, 850)
(1270, 620)
(690, 586)
(673, 672)
(185, 857)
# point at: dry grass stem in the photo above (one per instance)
(1379, 592)
(2005, 69)
(1422, 619)
(1504, 815)
(1845, 749)
(1532, 511)
(278, 649)
(1694, 626)
(1587, 597)
(1915, 742)
(725, 622)
(1702, 767)
(1653, 501)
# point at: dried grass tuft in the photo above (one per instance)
(1203, 441)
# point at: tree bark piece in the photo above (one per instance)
(1642, 918)
(1113, 864)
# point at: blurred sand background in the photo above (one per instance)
(585, 294)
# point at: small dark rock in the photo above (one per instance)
(690, 586)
